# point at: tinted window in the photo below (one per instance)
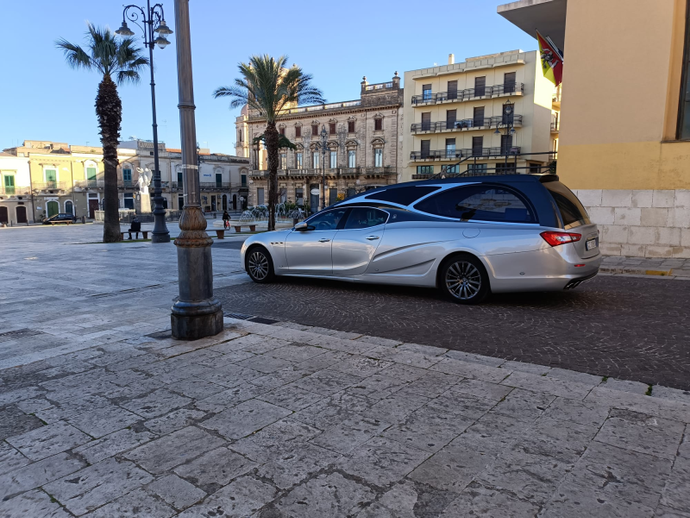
(364, 218)
(572, 211)
(479, 202)
(327, 220)
(402, 195)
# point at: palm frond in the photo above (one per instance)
(75, 56)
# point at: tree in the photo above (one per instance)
(120, 61)
(267, 87)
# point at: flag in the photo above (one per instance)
(551, 60)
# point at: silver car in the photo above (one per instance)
(468, 236)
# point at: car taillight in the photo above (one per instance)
(559, 238)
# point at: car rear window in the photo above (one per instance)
(572, 212)
(403, 195)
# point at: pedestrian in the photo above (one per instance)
(226, 219)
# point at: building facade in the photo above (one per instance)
(625, 134)
(363, 139)
(485, 113)
(43, 178)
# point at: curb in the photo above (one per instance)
(636, 271)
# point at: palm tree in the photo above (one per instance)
(268, 87)
(120, 61)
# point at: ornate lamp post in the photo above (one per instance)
(196, 312)
(508, 122)
(324, 147)
(155, 31)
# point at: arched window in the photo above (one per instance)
(69, 207)
(377, 145)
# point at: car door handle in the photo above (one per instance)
(324, 240)
(371, 238)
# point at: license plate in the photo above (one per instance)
(591, 244)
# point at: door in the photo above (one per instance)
(69, 208)
(4, 215)
(93, 207)
(426, 148)
(509, 83)
(21, 214)
(309, 252)
(219, 181)
(52, 208)
(234, 202)
(478, 116)
(426, 121)
(225, 202)
(451, 116)
(480, 86)
(354, 246)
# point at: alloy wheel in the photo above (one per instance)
(258, 265)
(463, 280)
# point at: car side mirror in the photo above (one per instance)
(302, 226)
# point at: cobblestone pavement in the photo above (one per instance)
(102, 414)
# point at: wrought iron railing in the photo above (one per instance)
(14, 190)
(457, 154)
(465, 124)
(52, 186)
(214, 186)
(467, 94)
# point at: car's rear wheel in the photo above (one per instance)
(259, 265)
(463, 279)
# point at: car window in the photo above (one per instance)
(572, 211)
(362, 217)
(327, 220)
(403, 195)
(480, 202)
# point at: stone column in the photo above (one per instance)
(196, 312)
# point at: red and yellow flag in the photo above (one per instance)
(551, 60)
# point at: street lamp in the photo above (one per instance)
(155, 31)
(324, 145)
(508, 121)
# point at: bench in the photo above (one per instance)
(238, 228)
(220, 234)
(130, 232)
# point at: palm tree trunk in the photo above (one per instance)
(109, 112)
(272, 141)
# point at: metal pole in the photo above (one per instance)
(196, 313)
(160, 232)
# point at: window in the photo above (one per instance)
(451, 116)
(333, 162)
(378, 157)
(180, 180)
(351, 191)
(299, 196)
(129, 200)
(426, 121)
(283, 160)
(426, 93)
(450, 148)
(452, 89)
(91, 173)
(332, 195)
(425, 148)
(351, 159)
(452, 169)
(476, 168)
(180, 201)
(425, 169)
(378, 124)
(298, 131)
(479, 202)
(8, 181)
(283, 195)
(51, 177)
(315, 159)
(365, 218)
(244, 180)
(327, 220)
(239, 136)
(478, 116)
(298, 160)
(331, 128)
(477, 146)
(314, 130)
(260, 196)
(404, 195)
(572, 211)
(282, 130)
(350, 126)
(480, 86)
(505, 168)
(127, 176)
(219, 180)
(509, 82)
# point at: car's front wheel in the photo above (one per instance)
(463, 279)
(259, 265)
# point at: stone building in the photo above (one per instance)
(362, 143)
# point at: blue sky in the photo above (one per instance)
(41, 98)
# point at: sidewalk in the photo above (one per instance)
(273, 420)
(667, 267)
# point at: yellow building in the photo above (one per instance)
(487, 113)
(625, 134)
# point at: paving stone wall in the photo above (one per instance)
(641, 223)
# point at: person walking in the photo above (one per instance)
(226, 220)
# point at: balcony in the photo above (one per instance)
(14, 191)
(464, 124)
(459, 154)
(214, 186)
(555, 126)
(52, 186)
(470, 94)
(89, 184)
(330, 172)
